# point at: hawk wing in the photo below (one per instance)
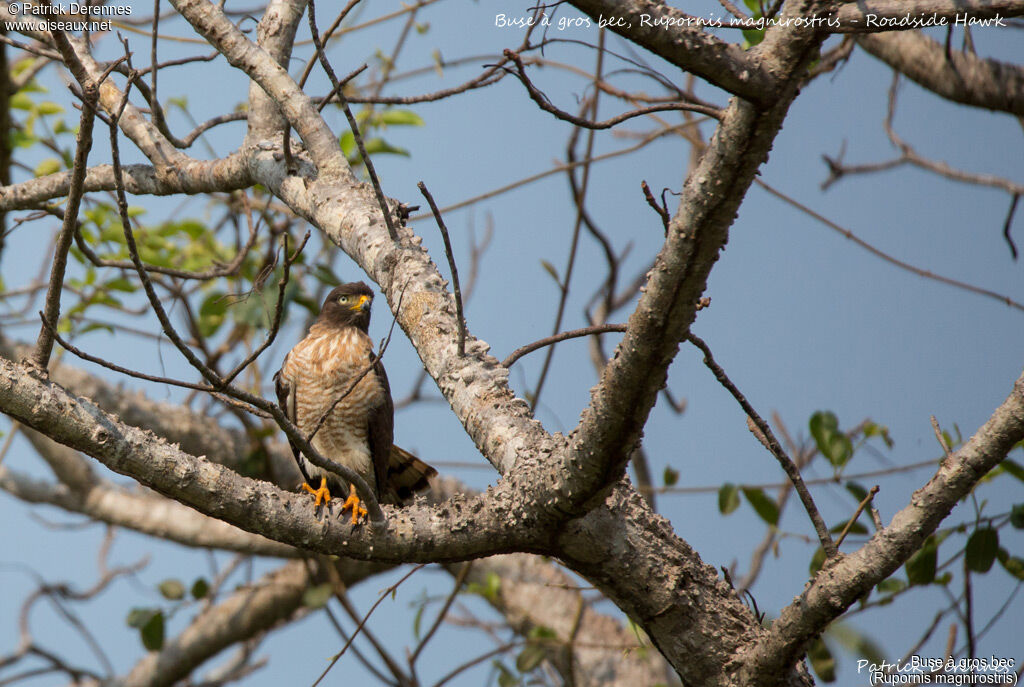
(380, 433)
(286, 399)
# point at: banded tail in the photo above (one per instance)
(406, 475)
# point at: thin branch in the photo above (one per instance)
(278, 308)
(460, 579)
(885, 256)
(772, 444)
(44, 344)
(941, 439)
(224, 270)
(352, 123)
(387, 592)
(662, 212)
(570, 334)
(1008, 224)
(545, 104)
(451, 264)
(578, 197)
(860, 509)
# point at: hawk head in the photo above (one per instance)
(348, 305)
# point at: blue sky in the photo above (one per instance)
(801, 318)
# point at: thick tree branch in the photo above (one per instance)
(255, 608)
(958, 76)
(461, 529)
(612, 423)
(209, 20)
(676, 37)
(144, 513)
(197, 176)
(275, 34)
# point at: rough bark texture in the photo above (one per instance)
(560, 496)
(957, 76)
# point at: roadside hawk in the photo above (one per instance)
(321, 371)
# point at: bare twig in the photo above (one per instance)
(451, 264)
(788, 466)
(548, 340)
(1008, 224)
(885, 256)
(662, 212)
(860, 509)
(545, 104)
(44, 344)
(278, 309)
(942, 440)
(353, 124)
(460, 579)
(387, 592)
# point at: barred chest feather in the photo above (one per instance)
(319, 369)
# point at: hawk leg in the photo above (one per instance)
(358, 512)
(321, 494)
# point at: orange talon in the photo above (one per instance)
(321, 494)
(358, 512)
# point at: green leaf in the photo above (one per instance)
(137, 617)
(93, 326)
(172, 590)
(982, 547)
(857, 491)
(552, 270)
(753, 36)
(121, 284)
(318, 596)
(855, 528)
(872, 429)
(763, 506)
(921, 566)
(1013, 468)
(891, 585)
(48, 107)
(506, 678)
(152, 632)
(1011, 564)
(212, 313)
(418, 620)
(1017, 516)
(671, 476)
(377, 145)
(395, 117)
(529, 658)
(822, 661)
(20, 101)
(489, 589)
(817, 560)
(348, 144)
(542, 632)
(50, 165)
(832, 443)
(728, 498)
(200, 588)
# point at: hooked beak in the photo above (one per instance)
(363, 304)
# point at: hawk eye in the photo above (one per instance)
(343, 299)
